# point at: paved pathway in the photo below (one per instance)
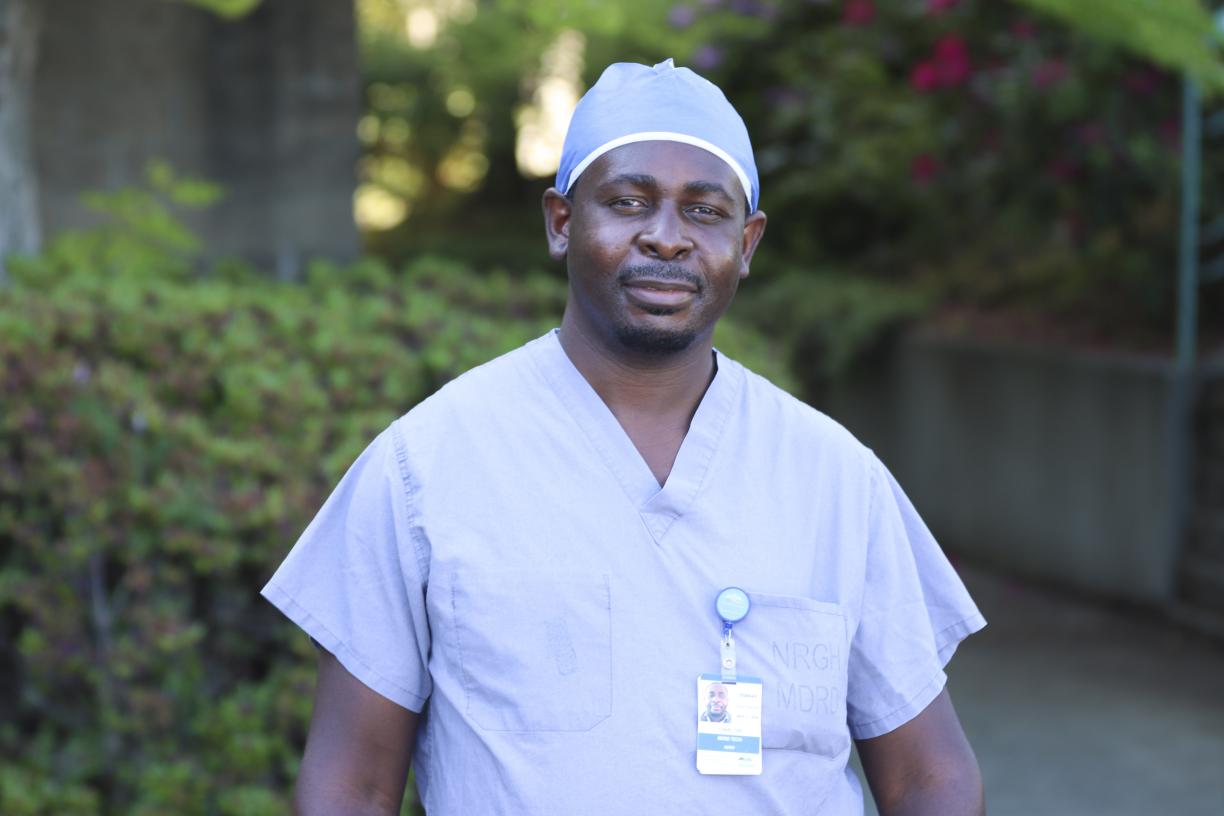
(1077, 709)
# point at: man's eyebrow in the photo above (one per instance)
(692, 187)
(635, 179)
(708, 187)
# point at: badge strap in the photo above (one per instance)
(732, 605)
(727, 649)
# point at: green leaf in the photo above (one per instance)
(1178, 34)
(229, 9)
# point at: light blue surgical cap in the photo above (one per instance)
(634, 103)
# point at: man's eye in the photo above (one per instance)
(702, 211)
(627, 203)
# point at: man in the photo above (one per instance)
(513, 586)
(716, 704)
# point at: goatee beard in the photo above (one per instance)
(650, 341)
(653, 342)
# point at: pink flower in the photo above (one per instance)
(948, 67)
(707, 57)
(681, 16)
(923, 168)
(952, 60)
(858, 12)
(939, 6)
(1050, 72)
(924, 78)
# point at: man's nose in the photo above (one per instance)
(665, 236)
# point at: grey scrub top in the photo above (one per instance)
(503, 560)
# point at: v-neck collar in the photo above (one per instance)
(659, 506)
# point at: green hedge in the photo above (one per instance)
(164, 437)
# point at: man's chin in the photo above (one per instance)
(655, 340)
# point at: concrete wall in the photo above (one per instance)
(1050, 464)
(266, 105)
(1201, 584)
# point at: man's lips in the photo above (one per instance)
(660, 294)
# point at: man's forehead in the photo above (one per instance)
(665, 164)
(662, 153)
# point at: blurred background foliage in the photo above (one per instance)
(167, 432)
(169, 429)
(995, 166)
(228, 9)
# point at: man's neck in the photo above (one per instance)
(642, 385)
(654, 399)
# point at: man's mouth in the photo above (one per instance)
(649, 293)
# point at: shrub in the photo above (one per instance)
(165, 436)
(969, 148)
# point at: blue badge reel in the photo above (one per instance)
(729, 704)
(732, 605)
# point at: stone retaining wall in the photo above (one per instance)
(1045, 463)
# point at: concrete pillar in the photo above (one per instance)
(266, 106)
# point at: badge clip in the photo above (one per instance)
(732, 606)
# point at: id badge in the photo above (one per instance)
(729, 725)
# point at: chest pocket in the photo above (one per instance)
(534, 648)
(799, 646)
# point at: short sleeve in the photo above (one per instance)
(915, 611)
(354, 582)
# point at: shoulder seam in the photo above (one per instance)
(405, 473)
(873, 471)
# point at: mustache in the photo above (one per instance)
(659, 272)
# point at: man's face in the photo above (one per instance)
(716, 700)
(656, 242)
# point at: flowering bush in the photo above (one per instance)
(967, 148)
(980, 151)
(964, 147)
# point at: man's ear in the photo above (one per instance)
(754, 228)
(557, 212)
